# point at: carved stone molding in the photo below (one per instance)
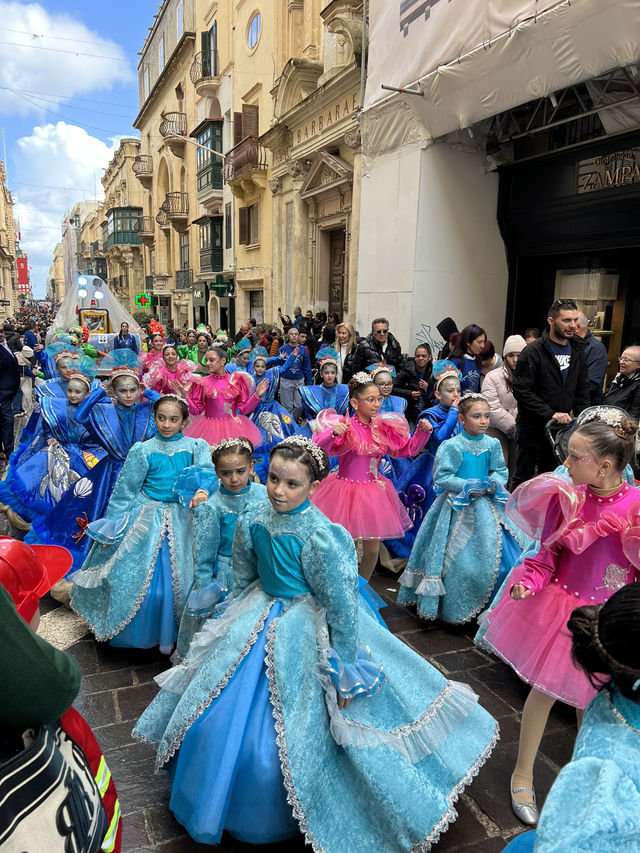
(353, 138)
(298, 168)
(275, 186)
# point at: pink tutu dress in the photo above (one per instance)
(159, 377)
(357, 496)
(590, 547)
(150, 358)
(217, 401)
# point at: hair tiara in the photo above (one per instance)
(473, 395)
(175, 397)
(362, 378)
(123, 370)
(227, 443)
(605, 414)
(311, 447)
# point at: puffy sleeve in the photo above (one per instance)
(206, 543)
(593, 805)
(330, 567)
(196, 395)
(391, 430)
(245, 560)
(498, 471)
(244, 391)
(333, 445)
(539, 570)
(446, 466)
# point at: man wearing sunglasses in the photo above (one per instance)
(379, 346)
(550, 381)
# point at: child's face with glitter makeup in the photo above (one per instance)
(289, 483)
(580, 463)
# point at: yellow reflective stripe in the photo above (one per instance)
(103, 777)
(109, 841)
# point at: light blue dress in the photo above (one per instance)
(594, 804)
(133, 585)
(250, 721)
(466, 545)
(214, 526)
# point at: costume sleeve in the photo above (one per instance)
(445, 467)
(591, 806)
(526, 385)
(206, 543)
(500, 418)
(39, 682)
(195, 398)
(498, 471)
(202, 458)
(444, 430)
(83, 412)
(245, 560)
(280, 366)
(333, 445)
(330, 568)
(129, 481)
(540, 569)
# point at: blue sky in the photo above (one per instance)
(68, 92)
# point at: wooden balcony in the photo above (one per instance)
(176, 207)
(143, 169)
(173, 129)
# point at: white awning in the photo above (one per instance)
(474, 59)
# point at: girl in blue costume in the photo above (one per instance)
(41, 471)
(415, 485)
(116, 425)
(273, 421)
(465, 355)
(594, 804)
(279, 720)
(467, 545)
(55, 366)
(214, 525)
(133, 586)
(328, 395)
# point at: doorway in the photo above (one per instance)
(336, 271)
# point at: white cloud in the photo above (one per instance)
(25, 66)
(54, 155)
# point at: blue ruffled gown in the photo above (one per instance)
(594, 804)
(466, 545)
(415, 485)
(133, 586)
(250, 722)
(214, 526)
(274, 422)
(39, 474)
(116, 429)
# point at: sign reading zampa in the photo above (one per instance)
(608, 170)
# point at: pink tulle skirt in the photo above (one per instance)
(214, 430)
(369, 510)
(531, 635)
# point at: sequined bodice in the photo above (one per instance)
(218, 402)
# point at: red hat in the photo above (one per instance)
(27, 572)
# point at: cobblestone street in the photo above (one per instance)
(118, 685)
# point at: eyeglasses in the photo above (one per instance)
(623, 360)
(569, 304)
(381, 331)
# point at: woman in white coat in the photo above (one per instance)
(503, 408)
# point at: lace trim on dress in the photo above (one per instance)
(422, 584)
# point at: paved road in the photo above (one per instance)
(118, 685)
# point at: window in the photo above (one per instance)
(249, 234)
(256, 305)
(161, 53)
(246, 123)
(211, 245)
(184, 251)
(228, 233)
(179, 20)
(209, 47)
(209, 166)
(146, 83)
(253, 30)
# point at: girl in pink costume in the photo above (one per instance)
(156, 344)
(221, 400)
(590, 547)
(357, 496)
(165, 372)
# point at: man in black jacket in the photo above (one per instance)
(550, 381)
(380, 345)
(9, 384)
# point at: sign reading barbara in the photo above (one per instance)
(608, 170)
(325, 119)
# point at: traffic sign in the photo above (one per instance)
(143, 299)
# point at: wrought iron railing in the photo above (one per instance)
(142, 165)
(176, 204)
(173, 124)
(183, 279)
(204, 66)
(247, 155)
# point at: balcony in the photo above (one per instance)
(146, 229)
(176, 207)
(163, 220)
(183, 279)
(204, 74)
(143, 169)
(173, 128)
(245, 167)
(122, 238)
(97, 249)
(148, 283)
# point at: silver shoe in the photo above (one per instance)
(526, 812)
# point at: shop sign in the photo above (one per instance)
(326, 118)
(608, 170)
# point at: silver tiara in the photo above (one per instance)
(306, 444)
(605, 414)
(226, 443)
(172, 397)
(473, 395)
(362, 378)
